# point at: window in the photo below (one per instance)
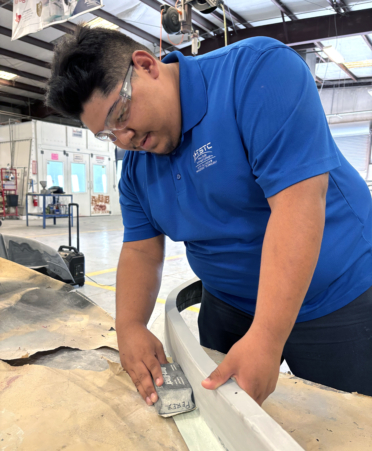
(55, 174)
(356, 150)
(78, 183)
(99, 179)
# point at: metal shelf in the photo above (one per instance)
(44, 215)
(8, 187)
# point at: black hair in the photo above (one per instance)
(92, 59)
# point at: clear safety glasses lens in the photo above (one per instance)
(120, 114)
(106, 136)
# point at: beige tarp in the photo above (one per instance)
(38, 313)
(44, 409)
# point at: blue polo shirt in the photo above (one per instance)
(252, 125)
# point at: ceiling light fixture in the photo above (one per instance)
(333, 54)
(356, 64)
(7, 75)
(102, 23)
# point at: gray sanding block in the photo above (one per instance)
(175, 395)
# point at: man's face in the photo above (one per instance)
(154, 121)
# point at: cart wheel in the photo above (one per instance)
(1, 223)
(81, 284)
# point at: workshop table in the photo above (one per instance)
(44, 214)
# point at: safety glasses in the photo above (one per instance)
(119, 112)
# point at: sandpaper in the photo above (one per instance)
(175, 396)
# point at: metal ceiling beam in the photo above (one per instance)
(237, 17)
(298, 48)
(25, 58)
(66, 27)
(16, 97)
(325, 60)
(347, 71)
(6, 4)
(300, 32)
(126, 26)
(22, 86)
(40, 111)
(23, 74)
(339, 6)
(284, 9)
(219, 16)
(367, 41)
(344, 5)
(320, 45)
(9, 105)
(196, 18)
(340, 65)
(365, 81)
(36, 42)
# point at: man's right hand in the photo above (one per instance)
(138, 281)
(141, 354)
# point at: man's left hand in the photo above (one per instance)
(254, 363)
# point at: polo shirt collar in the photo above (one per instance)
(193, 91)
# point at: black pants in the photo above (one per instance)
(334, 350)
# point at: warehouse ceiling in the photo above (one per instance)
(305, 25)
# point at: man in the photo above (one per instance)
(231, 153)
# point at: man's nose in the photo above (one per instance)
(125, 136)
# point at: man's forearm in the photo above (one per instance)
(289, 256)
(138, 282)
(137, 285)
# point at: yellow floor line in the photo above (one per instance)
(105, 287)
(158, 300)
(105, 271)
(174, 257)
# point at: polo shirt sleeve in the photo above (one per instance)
(136, 223)
(282, 122)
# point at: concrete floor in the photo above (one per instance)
(101, 241)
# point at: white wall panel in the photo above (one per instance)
(4, 154)
(77, 138)
(22, 131)
(52, 134)
(96, 144)
(4, 133)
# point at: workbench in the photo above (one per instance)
(45, 215)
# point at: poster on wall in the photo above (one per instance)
(100, 205)
(100, 159)
(30, 16)
(77, 132)
(78, 158)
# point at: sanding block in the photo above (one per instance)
(175, 396)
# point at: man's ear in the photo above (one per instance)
(143, 61)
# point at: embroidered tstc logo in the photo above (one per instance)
(203, 157)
